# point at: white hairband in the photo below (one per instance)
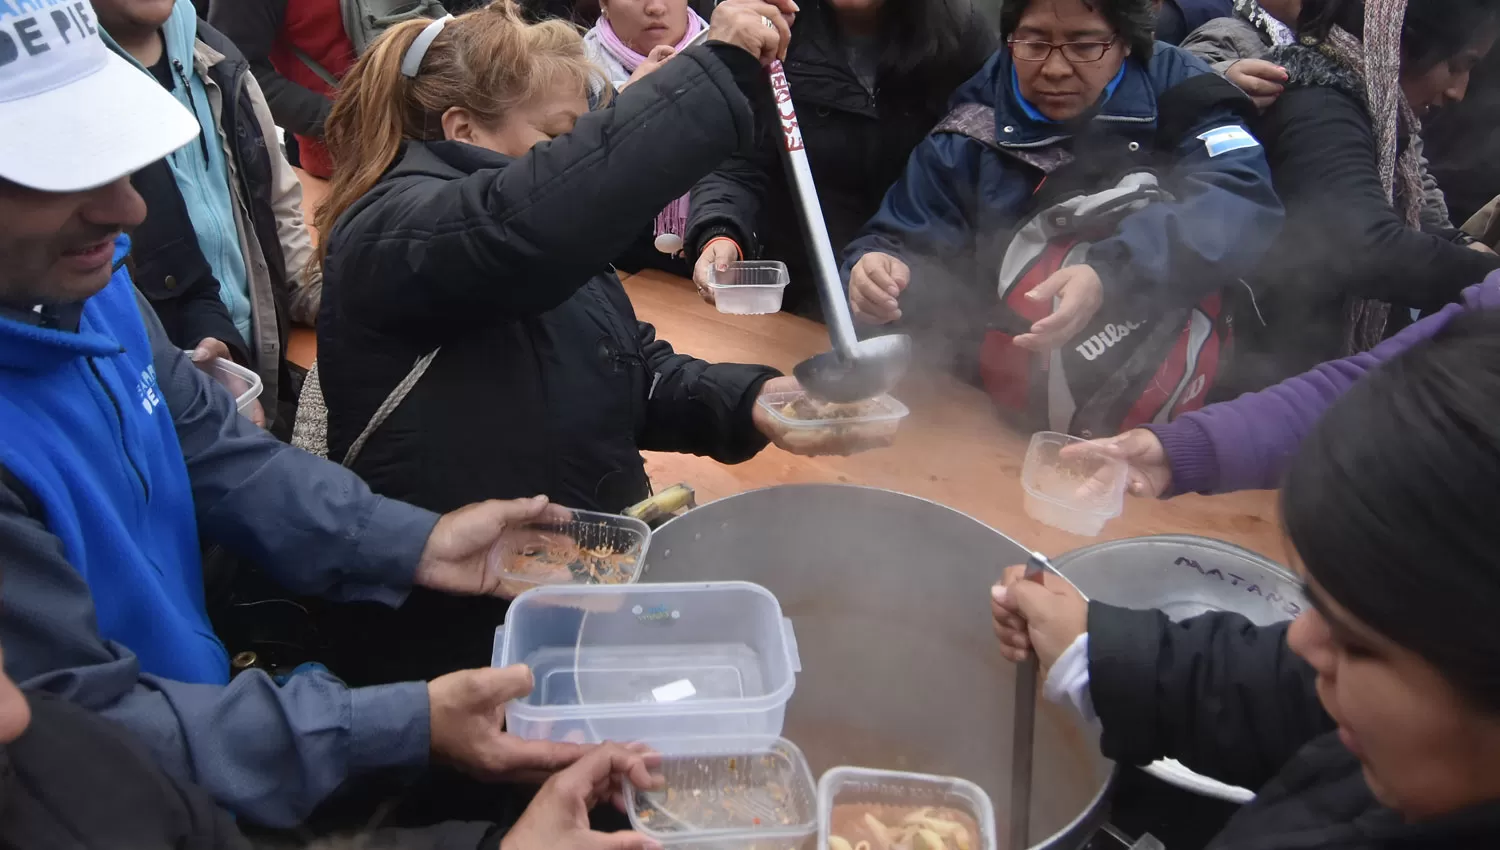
(411, 63)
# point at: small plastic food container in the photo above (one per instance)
(592, 548)
(649, 661)
(871, 421)
(1077, 493)
(728, 794)
(750, 288)
(887, 809)
(244, 384)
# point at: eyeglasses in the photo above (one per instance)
(1073, 51)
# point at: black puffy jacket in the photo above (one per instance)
(546, 382)
(1231, 701)
(1342, 237)
(857, 144)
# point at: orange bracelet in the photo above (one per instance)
(740, 254)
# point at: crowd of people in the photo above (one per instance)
(1205, 234)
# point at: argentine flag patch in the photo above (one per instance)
(1226, 139)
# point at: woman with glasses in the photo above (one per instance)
(870, 78)
(1079, 96)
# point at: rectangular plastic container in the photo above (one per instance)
(649, 661)
(244, 384)
(891, 794)
(728, 794)
(750, 288)
(1077, 494)
(592, 548)
(882, 412)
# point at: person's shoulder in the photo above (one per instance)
(219, 42)
(1171, 66)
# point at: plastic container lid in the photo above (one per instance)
(592, 548)
(649, 661)
(244, 384)
(1078, 493)
(897, 801)
(734, 792)
(749, 288)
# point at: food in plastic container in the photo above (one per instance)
(749, 288)
(592, 548)
(860, 809)
(730, 793)
(808, 424)
(1078, 492)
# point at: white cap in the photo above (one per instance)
(73, 114)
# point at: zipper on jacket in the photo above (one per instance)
(187, 89)
(120, 416)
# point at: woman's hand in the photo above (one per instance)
(875, 287)
(1079, 293)
(655, 59)
(558, 817)
(1150, 474)
(1046, 616)
(846, 439)
(1263, 81)
(759, 27)
(716, 256)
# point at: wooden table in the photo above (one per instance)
(951, 450)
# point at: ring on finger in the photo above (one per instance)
(769, 24)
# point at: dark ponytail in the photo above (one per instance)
(1393, 503)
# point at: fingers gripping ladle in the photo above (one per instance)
(855, 369)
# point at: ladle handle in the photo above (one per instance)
(1024, 730)
(814, 228)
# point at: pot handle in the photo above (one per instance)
(793, 656)
(495, 653)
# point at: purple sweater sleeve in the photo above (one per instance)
(1246, 443)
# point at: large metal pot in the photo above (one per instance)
(889, 597)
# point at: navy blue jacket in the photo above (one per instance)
(951, 215)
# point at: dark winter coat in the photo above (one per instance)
(1231, 700)
(1176, 18)
(857, 143)
(952, 215)
(546, 381)
(75, 781)
(169, 268)
(1343, 238)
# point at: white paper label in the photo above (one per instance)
(674, 691)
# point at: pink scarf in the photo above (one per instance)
(673, 219)
(632, 60)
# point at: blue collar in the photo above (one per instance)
(1031, 111)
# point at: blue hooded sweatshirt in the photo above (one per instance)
(201, 170)
(84, 427)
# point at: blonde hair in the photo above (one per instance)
(488, 61)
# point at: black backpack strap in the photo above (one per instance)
(1182, 107)
(29, 501)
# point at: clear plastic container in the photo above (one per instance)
(849, 796)
(244, 384)
(750, 288)
(728, 794)
(863, 424)
(592, 548)
(1078, 493)
(649, 661)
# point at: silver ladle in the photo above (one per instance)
(855, 369)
